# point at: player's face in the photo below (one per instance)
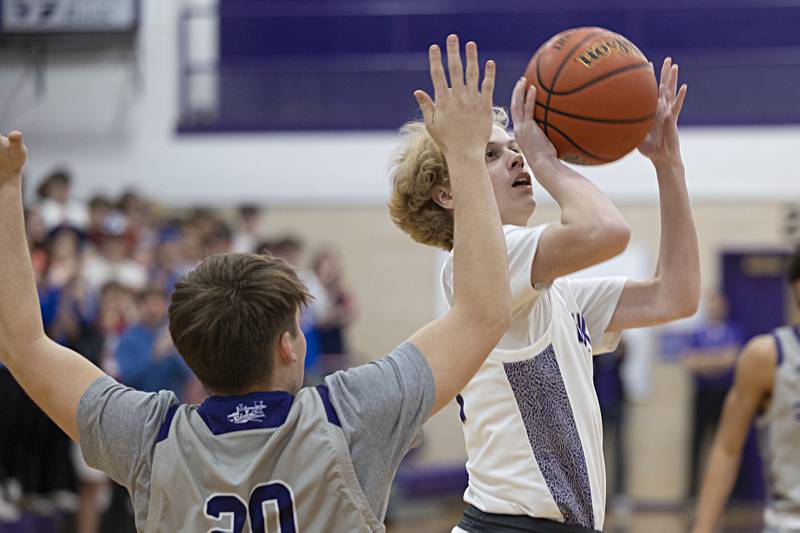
(511, 180)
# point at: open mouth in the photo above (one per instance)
(522, 180)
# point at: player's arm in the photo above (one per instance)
(53, 376)
(754, 380)
(591, 229)
(673, 292)
(460, 121)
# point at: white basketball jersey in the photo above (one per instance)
(779, 436)
(530, 415)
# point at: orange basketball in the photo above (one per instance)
(596, 94)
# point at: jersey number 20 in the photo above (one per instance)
(220, 505)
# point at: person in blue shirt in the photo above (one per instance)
(146, 356)
(710, 359)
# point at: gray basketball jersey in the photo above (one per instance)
(261, 462)
(779, 436)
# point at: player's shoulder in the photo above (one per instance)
(757, 363)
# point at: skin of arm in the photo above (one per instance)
(54, 377)
(460, 122)
(755, 375)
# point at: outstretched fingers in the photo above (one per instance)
(454, 63)
(472, 66)
(437, 71)
(425, 104)
(678, 104)
(530, 102)
(487, 89)
(518, 101)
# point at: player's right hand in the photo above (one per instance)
(13, 155)
(461, 117)
(535, 145)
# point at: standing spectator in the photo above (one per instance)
(290, 249)
(245, 237)
(332, 323)
(710, 359)
(55, 204)
(146, 357)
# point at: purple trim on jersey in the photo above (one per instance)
(325, 396)
(796, 330)
(460, 402)
(547, 414)
(258, 410)
(163, 431)
(778, 350)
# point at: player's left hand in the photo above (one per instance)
(662, 144)
(13, 155)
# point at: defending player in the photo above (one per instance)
(766, 387)
(530, 416)
(260, 450)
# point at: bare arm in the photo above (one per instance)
(591, 229)
(755, 373)
(460, 122)
(53, 376)
(673, 292)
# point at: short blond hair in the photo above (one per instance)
(417, 167)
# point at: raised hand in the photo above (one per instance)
(461, 116)
(531, 139)
(12, 156)
(662, 143)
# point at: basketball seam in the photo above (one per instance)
(601, 120)
(560, 68)
(579, 147)
(601, 78)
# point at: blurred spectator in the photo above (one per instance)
(290, 249)
(114, 261)
(99, 211)
(146, 357)
(333, 321)
(245, 238)
(611, 397)
(168, 264)
(55, 204)
(710, 359)
(219, 240)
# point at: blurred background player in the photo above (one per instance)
(710, 359)
(530, 417)
(766, 390)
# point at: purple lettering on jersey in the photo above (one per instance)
(547, 414)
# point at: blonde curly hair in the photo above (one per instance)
(418, 166)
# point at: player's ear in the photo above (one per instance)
(442, 196)
(286, 349)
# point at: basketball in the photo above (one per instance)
(596, 94)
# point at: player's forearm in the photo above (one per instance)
(722, 469)
(678, 269)
(582, 203)
(20, 317)
(480, 277)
